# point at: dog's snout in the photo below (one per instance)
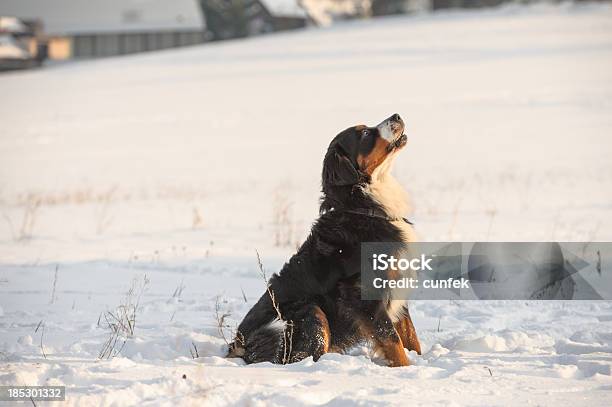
(391, 128)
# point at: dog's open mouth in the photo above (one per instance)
(398, 143)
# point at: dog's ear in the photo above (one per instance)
(338, 170)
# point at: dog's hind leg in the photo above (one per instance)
(303, 332)
(384, 336)
(406, 331)
(262, 345)
(311, 335)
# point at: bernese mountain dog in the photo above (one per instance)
(313, 305)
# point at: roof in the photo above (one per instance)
(284, 8)
(98, 16)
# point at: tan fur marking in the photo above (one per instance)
(320, 315)
(393, 351)
(406, 331)
(369, 163)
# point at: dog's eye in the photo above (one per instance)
(364, 133)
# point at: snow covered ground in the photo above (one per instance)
(178, 165)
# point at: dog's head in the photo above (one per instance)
(355, 155)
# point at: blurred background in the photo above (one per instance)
(32, 31)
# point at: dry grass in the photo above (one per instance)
(288, 324)
(194, 353)
(178, 291)
(29, 217)
(41, 326)
(282, 224)
(197, 221)
(121, 322)
(53, 295)
(220, 317)
(25, 231)
(103, 217)
(85, 195)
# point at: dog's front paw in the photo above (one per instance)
(235, 350)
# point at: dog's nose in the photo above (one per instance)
(396, 117)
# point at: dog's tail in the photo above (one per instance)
(265, 344)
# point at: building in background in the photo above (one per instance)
(66, 29)
(242, 18)
(442, 4)
(386, 7)
(98, 28)
(326, 12)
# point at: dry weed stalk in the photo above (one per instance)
(194, 353)
(178, 291)
(281, 220)
(41, 326)
(220, 317)
(197, 221)
(288, 325)
(29, 217)
(53, 296)
(31, 205)
(121, 322)
(598, 267)
(103, 218)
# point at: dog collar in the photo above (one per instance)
(374, 213)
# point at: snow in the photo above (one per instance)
(180, 164)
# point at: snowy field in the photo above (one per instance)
(178, 165)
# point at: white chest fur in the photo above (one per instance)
(388, 193)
